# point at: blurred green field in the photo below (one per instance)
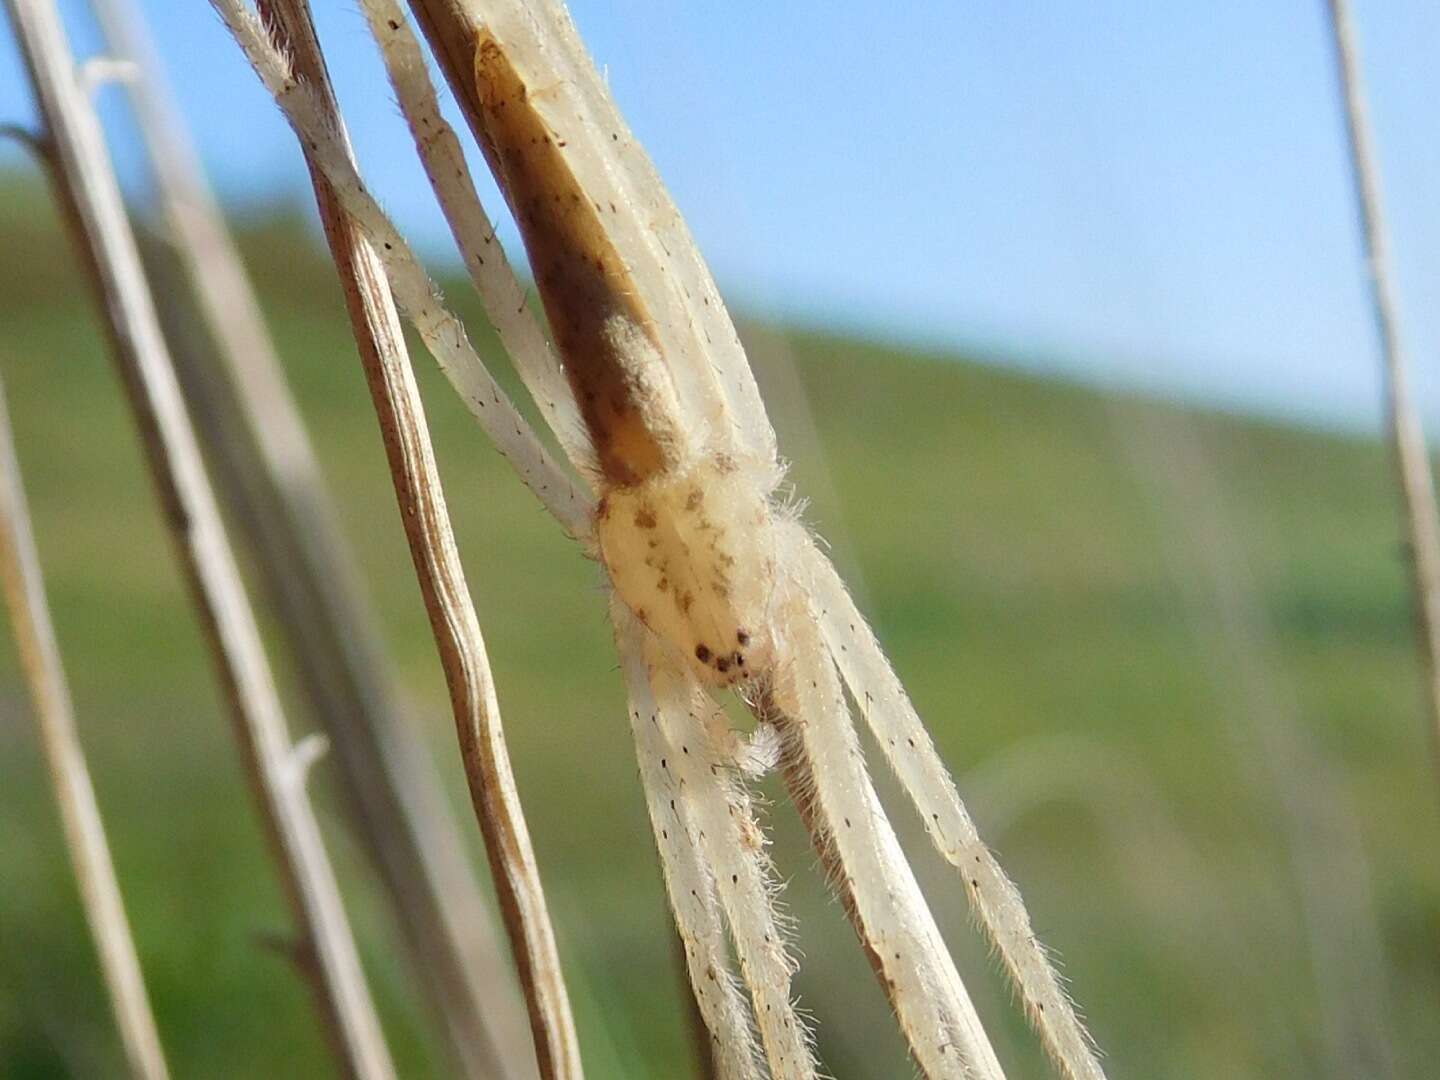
(1048, 567)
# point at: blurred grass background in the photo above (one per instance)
(1032, 553)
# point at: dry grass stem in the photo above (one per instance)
(267, 472)
(1292, 781)
(1412, 457)
(422, 504)
(88, 189)
(24, 587)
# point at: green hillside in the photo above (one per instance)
(1164, 651)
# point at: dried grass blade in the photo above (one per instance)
(24, 587)
(269, 477)
(1407, 436)
(426, 519)
(91, 195)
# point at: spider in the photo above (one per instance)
(717, 587)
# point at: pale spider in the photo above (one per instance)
(716, 586)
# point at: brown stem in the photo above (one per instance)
(452, 615)
(89, 192)
(270, 480)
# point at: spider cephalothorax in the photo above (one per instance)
(687, 554)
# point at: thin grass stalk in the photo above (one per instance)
(88, 189)
(442, 581)
(23, 583)
(1294, 784)
(1411, 455)
(267, 472)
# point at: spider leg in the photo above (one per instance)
(826, 771)
(490, 272)
(733, 846)
(993, 898)
(690, 885)
(414, 291)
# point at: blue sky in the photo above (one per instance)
(1151, 195)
